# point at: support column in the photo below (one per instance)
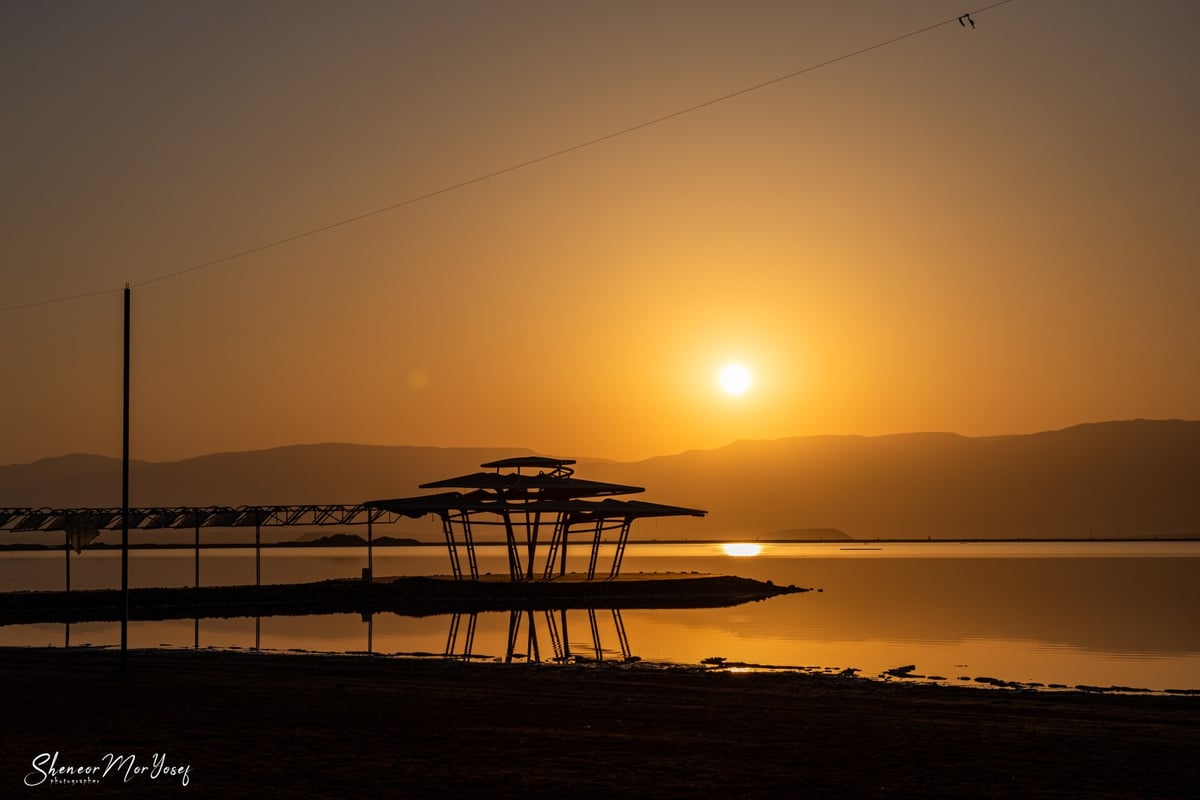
(67, 550)
(370, 547)
(197, 542)
(257, 549)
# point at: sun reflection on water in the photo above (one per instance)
(741, 549)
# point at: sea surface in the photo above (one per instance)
(1099, 614)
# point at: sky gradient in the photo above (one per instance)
(982, 231)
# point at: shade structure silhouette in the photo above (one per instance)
(535, 499)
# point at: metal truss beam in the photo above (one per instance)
(32, 520)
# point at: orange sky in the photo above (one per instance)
(983, 231)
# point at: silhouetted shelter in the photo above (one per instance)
(533, 498)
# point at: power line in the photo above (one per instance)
(65, 299)
(520, 165)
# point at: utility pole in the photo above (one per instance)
(125, 497)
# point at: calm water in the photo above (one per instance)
(1091, 613)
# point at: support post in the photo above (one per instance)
(566, 538)
(370, 548)
(197, 550)
(125, 495)
(257, 549)
(67, 550)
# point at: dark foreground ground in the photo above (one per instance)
(257, 725)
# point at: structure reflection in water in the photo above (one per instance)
(532, 636)
(556, 633)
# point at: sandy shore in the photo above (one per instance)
(247, 724)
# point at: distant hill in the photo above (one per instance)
(312, 473)
(1135, 478)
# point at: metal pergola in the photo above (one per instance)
(82, 525)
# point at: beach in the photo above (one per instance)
(307, 726)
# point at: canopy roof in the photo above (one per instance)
(528, 461)
(554, 492)
(479, 501)
(517, 485)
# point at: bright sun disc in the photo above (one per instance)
(734, 379)
(741, 549)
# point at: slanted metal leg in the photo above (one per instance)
(469, 538)
(451, 547)
(555, 543)
(531, 534)
(566, 538)
(514, 555)
(591, 573)
(622, 538)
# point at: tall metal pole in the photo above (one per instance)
(125, 496)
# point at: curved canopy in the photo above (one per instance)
(518, 485)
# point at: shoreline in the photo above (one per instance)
(393, 542)
(409, 596)
(321, 726)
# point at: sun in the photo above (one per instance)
(735, 379)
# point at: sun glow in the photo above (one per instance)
(741, 549)
(735, 379)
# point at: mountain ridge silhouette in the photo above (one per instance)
(1130, 478)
